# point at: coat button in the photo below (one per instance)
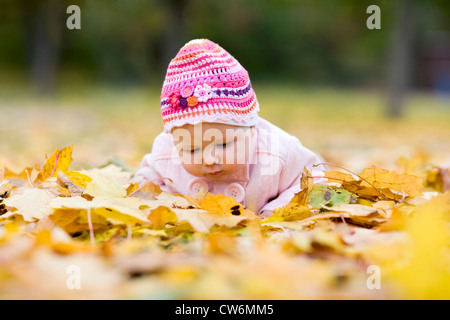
(196, 184)
(236, 191)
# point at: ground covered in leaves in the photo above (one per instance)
(95, 234)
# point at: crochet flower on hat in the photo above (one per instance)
(192, 101)
(187, 91)
(173, 100)
(202, 92)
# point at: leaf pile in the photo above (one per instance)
(94, 234)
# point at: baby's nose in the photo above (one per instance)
(209, 158)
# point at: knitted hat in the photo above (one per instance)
(204, 83)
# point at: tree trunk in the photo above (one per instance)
(43, 21)
(175, 32)
(401, 52)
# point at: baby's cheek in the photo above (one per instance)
(188, 158)
(235, 156)
(233, 168)
(194, 169)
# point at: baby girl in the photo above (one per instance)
(213, 138)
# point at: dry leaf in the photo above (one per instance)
(382, 178)
(103, 185)
(224, 205)
(60, 160)
(161, 216)
(28, 202)
(203, 221)
(290, 212)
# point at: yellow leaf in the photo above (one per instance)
(114, 210)
(105, 186)
(109, 181)
(203, 221)
(29, 202)
(59, 160)
(306, 185)
(425, 274)
(224, 205)
(8, 174)
(79, 179)
(75, 220)
(338, 176)
(382, 178)
(120, 210)
(220, 242)
(290, 212)
(160, 216)
(152, 188)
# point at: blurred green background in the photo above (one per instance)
(357, 96)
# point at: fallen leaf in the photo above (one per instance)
(338, 176)
(360, 214)
(203, 221)
(324, 195)
(60, 160)
(103, 185)
(74, 190)
(161, 216)
(28, 202)
(290, 212)
(382, 178)
(114, 210)
(79, 179)
(219, 203)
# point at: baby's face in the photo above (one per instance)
(218, 152)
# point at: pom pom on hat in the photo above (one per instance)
(204, 83)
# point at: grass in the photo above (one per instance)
(346, 126)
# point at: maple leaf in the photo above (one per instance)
(23, 175)
(338, 176)
(103, 210)
(375, 183)
(203, 221)
(360, 214)
(59, 160)
(73, 189)
(210, 210)
(323, 195)
(297, 208)
(219, 203)
(30, 203)
(109, 181)
(161, 216)
(221, 242)
(438, 179)
(291, 212)
(79, 179)
(306, 185)
(424, 272)
(382, 178)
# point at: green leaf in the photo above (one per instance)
(324, 195)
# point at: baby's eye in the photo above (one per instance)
(193, 150)
(224, 145)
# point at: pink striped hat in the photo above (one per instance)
(204, 83)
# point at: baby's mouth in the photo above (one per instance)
(215, 173)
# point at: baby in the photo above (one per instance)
(213, 138)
